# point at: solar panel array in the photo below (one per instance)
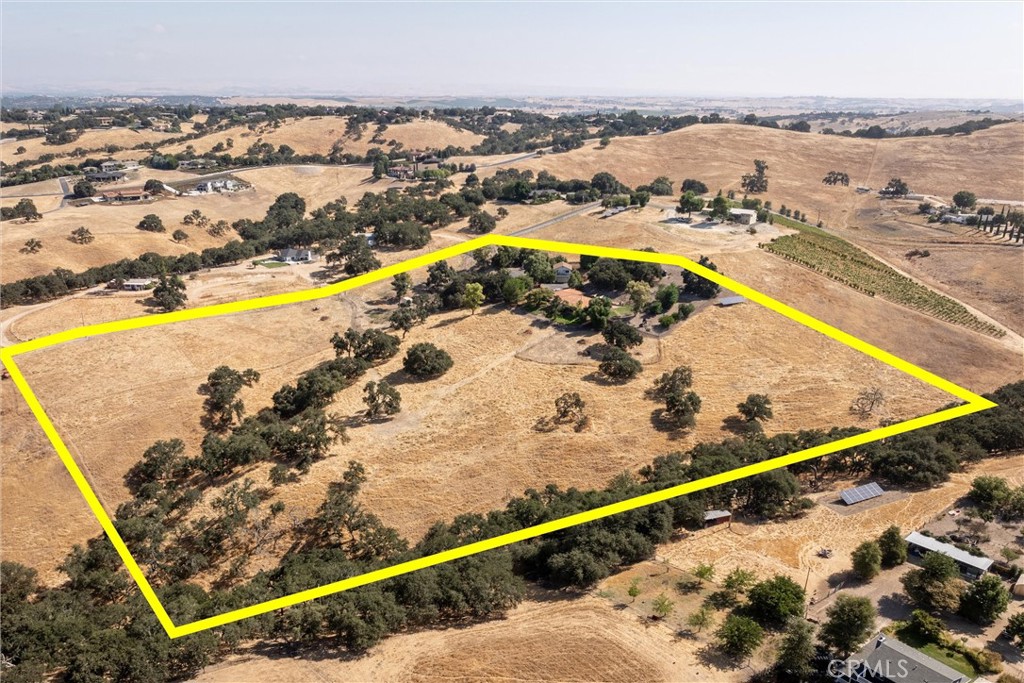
(861, 493)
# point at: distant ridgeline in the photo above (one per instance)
(63, 125)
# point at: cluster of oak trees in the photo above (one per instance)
(97, 626)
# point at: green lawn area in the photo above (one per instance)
(909, 636)
(271, 264)
(622, 310)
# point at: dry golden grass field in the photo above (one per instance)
(44, 203)
(111, 397)
(115, 232)
(89, 140)
(554, 637)
(987, 162)
(114, 226)
(31, 190)
(548, 638)
(449, 427)
(318, 135)
(976, 361)
(964, 262)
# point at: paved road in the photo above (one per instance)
(531, 155)
(556, 219)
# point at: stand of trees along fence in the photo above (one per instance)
(97, 626)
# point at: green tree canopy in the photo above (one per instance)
(756, 407)
(83, 189)
(739, 636)
(867, 560)
(850, 621)
(169, 293)
(151, 223)
(775, 600)
(473, 296)
(426, 361)
(985, 599)
(381, 399)
(621, 334)
(964, 199)
(893, 547)
(619, 366)
(796, 650)
(690, 202)
(936, 585)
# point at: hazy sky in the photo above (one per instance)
(965, 50)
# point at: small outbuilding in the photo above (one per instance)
(971, 566)
(730, 301)
(743, 216)
(562, 273)
(716, 517)
(137, 284)
(137, 194)
(402, 172)
(105, 176)
(1018, 588)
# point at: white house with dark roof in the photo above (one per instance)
(296, 256)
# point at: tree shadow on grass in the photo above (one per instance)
(713, 658)
(446, 323)
(605, 381)
(685, 634)
(738, 425)
(665, 425)
(399, 377)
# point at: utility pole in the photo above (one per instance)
(806, 581)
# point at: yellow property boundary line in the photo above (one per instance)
(972, 403)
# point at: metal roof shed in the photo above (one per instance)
(981, 564)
